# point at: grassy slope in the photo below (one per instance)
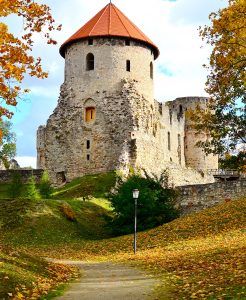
(201, 256)
(4, 190)
(30, 225)
(92, 185)
(24, 276)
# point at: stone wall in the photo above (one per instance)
(7, 175)
(197, 197)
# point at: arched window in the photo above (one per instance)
(151, 70)
(128, 65)
(168, 141)
(89, 62)
(90, 114)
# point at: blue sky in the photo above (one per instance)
(171, 25)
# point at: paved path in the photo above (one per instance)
(109, 281)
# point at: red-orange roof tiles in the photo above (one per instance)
(110, 21)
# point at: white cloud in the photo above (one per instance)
(26, 161)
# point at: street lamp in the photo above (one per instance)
(135, 194)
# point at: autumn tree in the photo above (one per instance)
(234, 161)
(225, 119)
(7, 142)
(15, 58)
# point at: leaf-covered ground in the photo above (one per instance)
(199, 256)
(24, 276)
(28, 228)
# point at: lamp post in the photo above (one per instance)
(135, 194)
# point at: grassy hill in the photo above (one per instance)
(24, 276)
(199, 256)
(29, 227)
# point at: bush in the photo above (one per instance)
(45, 188)
(156, 204)
(31, 189)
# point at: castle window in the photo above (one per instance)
(90, 42)
(168, 141)
(170, 116)
(89, 62)
(180, 109)
(127, 42)
(90, 114)
(128, 65)
(88, 157)
(88, 144)
(179, 148)
(151, 70)
(180, 113)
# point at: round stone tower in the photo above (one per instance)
(108, 82)
(107, 49)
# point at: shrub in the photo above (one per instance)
(156, 203)
(45, 188)
(31, 189)
(68, 212)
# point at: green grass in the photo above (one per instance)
(41, 223)
(199, 256)
(91, 185)
(4, 190)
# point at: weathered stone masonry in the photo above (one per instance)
(6, 176)
(197, 197)
(107, 118)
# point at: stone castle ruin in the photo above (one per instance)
(107, 117)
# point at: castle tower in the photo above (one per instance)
(107, 49)
(195, 157)
(107, 117)
(108, 71)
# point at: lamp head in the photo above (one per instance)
(135, 193)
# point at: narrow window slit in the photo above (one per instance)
(128, 65)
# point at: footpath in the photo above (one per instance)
(109, 281)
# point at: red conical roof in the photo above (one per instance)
(110, 21)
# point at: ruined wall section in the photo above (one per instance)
(67, 134)
(153, 124)
(194, 156)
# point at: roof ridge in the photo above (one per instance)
(109, 23)
(105, 9)
(135, 26)
(115, 9)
